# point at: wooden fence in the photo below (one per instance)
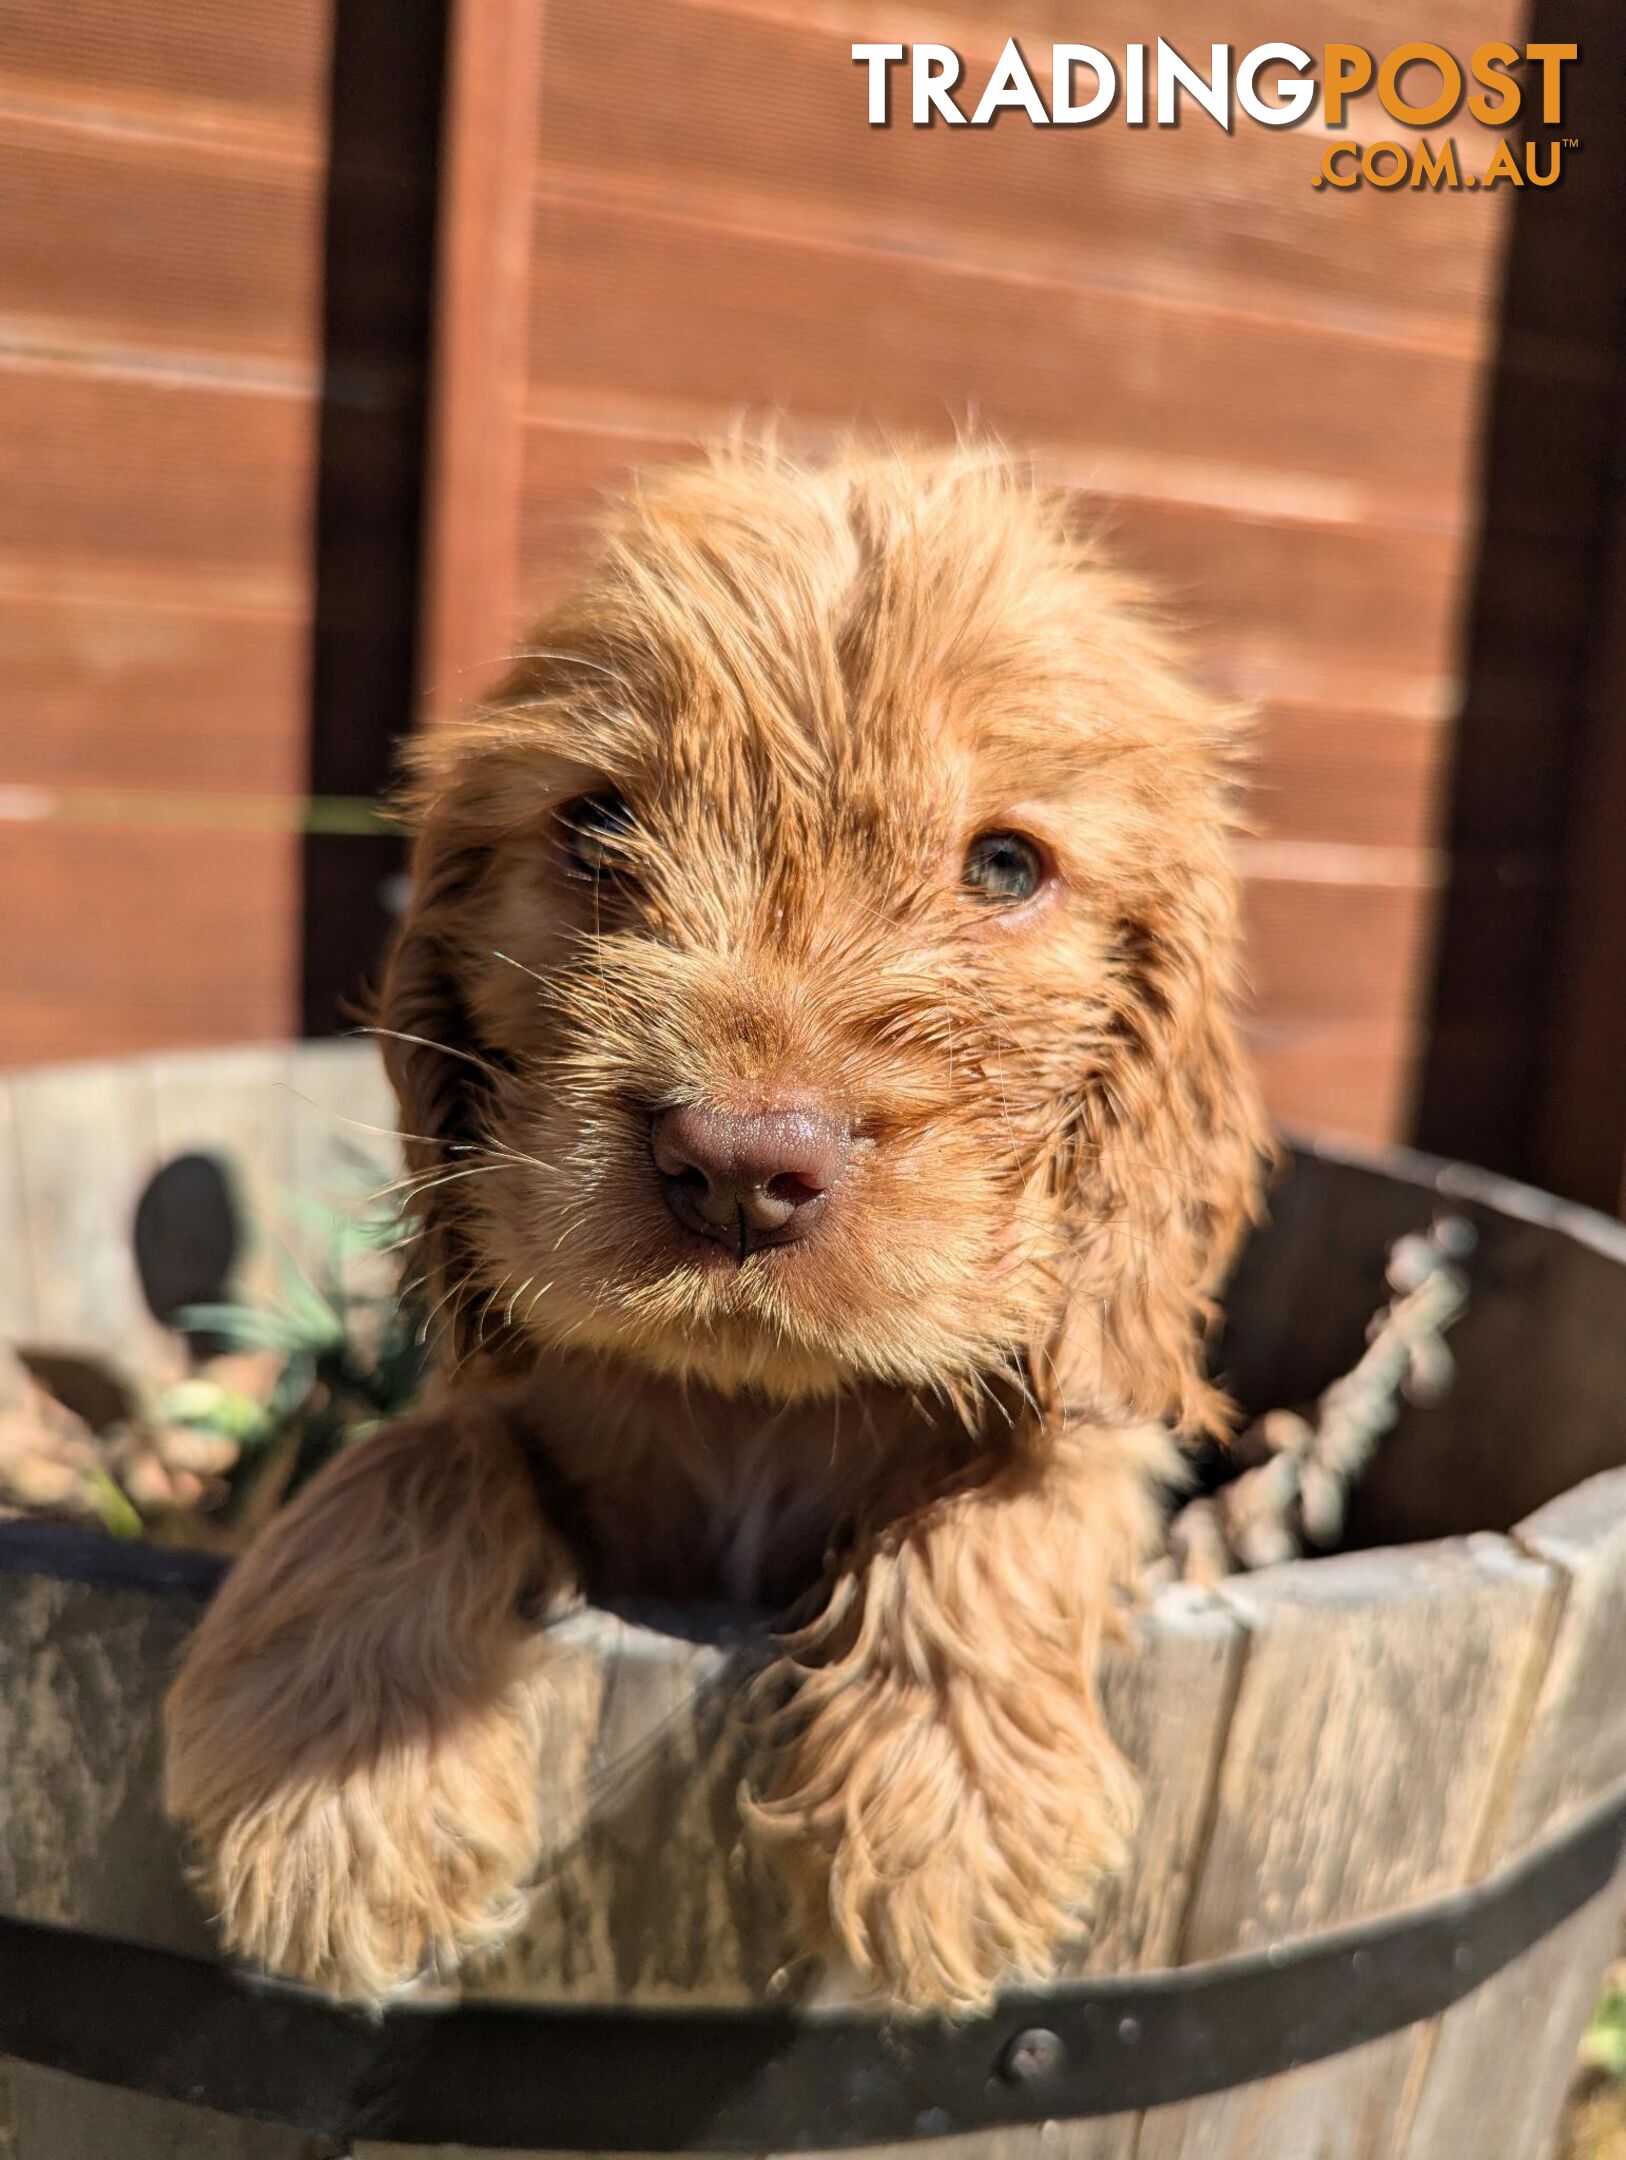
(1360, 438)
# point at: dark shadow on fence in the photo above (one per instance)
(385, 105)
(1518, 976)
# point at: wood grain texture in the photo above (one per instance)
(237, 64)
(652, 1892)
(1168, 1693)
(88, 1140)
(126, 938)
(1350, 778)
(151, 688)
(16, 1266)
(1336, 1799)
(63, 2118)
(146, 242)
(101, 469)
(480, 349)
(1275, 602)
(238, 1107)
(162, 280)
(83, 1840)
(1576, 1747)
(1298, 1713)
(647, 1898)
(140, 936)
(850, 333)
(674, 117)
(1498, 2060)
(344, 1113)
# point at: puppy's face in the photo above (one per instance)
(835, 905)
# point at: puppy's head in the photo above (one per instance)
(820, 960)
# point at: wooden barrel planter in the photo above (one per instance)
(1375, 1888)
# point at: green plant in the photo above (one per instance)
(319, 1359)
(1604, 2047)
(311, 1347)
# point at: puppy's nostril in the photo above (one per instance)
(748, 1178)
(793, 1189)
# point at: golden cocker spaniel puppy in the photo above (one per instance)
(813, 1030)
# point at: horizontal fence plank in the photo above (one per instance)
(100, 468)
(1460, 24)
(1358, 778)
(261, 63)
(1267, 600)
(158, 243)
(1351, 1077)
(853, 333)
(122, 692)
(1324, 952)
(1253, 587)
(676, 107)
(129, 939)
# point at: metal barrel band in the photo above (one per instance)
(755, 2080)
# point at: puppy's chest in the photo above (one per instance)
(749, 1512)
(747, 1526)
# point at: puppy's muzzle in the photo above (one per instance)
(748, 1178)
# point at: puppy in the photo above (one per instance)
(813, 1035)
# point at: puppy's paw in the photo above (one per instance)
(940, 1857)
(363, 1882)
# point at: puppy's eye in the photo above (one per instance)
(1003, 866)
(593, 830)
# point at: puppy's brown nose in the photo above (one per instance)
(748, 1178)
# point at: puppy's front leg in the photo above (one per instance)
(946, 1790)
(353, 1738)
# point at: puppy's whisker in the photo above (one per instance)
(455, 1290)
(536, 1299)
(385, 1132)
(413, 1181)
(509, 960)
(425, 1042)
(453, 1177)
(508, 1316)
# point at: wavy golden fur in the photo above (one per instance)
(933, 1429)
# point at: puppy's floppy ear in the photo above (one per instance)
(1173, 1145)
(442, 1072)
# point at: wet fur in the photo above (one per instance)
(934, 1431)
